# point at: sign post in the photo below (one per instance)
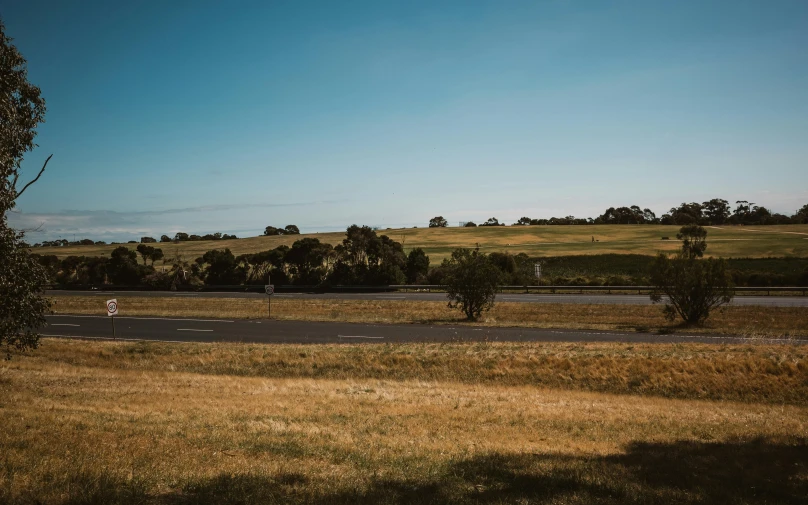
(270, 290)
(112, 311)
(537, 268)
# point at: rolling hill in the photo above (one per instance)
(537, 241)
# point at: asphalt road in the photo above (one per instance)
(302, 332)
(586, 298)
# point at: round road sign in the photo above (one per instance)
(112, 307)
(270, 289)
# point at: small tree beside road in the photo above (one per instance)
(693, 286)
(471, 282)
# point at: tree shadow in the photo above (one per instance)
(753, 472)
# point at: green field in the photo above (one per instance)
(536, 241)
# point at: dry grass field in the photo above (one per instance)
(750, 321)
(728, 242)
(130, 423)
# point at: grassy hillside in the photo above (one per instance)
(729, 241)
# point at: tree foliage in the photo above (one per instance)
(289, 229)
(694, 241)
(692, 286)
(417, 265)
(122, 268)
(438, 222)
(471, 282)
(221, 268)
(22, 307)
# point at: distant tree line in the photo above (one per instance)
(381, 262)
(178, 237)
(713, 212)
(289, 229)
(363, 258)
(184, 237)
(63, 243)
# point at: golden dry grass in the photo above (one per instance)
(752, 373)
(81, 425)
(728, 242)
(750, 321)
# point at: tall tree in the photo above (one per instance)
(145, 251)
(694, 240)
(22, 307)
(417, 265)
(716, 211)
(438, 222)
(801, 216)
(691, 286)
(156, 255)
(122, 268)
(222, 268)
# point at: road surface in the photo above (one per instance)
(586, 298)
(303, 332)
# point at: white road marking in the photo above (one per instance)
(123, 339)
(191, 329)
(186, 294)
(357, 336)
(148, 318)
(390, 297)
(63, 324)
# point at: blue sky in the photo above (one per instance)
(231, 116)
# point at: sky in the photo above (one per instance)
(232, 116)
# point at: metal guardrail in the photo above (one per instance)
(609, 289)
(422, 287)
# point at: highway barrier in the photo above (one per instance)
(802, 290)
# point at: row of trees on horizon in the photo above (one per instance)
(713, 212)
(363, 258)
(289, 229)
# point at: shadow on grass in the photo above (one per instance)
(753, 472)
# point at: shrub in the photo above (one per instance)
(693, 286)
(471, 282)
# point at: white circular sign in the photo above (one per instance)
(270, 289)
(112, 307)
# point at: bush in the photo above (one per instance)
(158, 281)
(693, 286)
(471, 282)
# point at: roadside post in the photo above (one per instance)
(270, 290)
(112, 311)
(537, 269)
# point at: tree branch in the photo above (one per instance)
(35, 179)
